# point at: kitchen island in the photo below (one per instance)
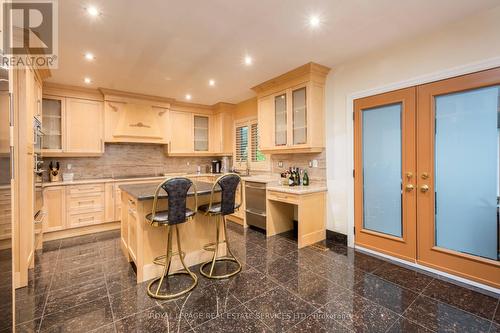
(141, 242)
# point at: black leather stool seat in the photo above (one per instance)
(162, 216)
(215, 209)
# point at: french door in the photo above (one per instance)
(444, 159)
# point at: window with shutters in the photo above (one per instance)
(247, 147)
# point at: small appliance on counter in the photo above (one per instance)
(68, 176)
(216, 166)
(55, 175)
(225, 165)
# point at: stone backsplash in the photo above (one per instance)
(301, 161)
(129, 160)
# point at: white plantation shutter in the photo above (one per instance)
(241, 143)
(254, 138)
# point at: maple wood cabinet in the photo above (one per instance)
(291, 113)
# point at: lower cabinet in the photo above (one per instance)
(54, 199)
(5, 216)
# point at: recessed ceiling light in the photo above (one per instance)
(87, 80)
(188, 97)
(248, 60)
(211, 82)
(314, 21)
(93, 11)
(89, 56)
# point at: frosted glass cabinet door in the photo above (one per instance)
(200, 133)
(467, 171)
(299, 109)
(381, 128)
(52, 123)
(280, 110)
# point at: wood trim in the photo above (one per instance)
(403, 247)
(80, 231)
(121, 96)
(309, 71)
(62, 90)
(471, 267)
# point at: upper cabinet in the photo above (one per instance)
(291, 111)
(197, 130)
(72, 122)
(135, 118)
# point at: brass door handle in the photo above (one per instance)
(410, 187)
(424, 188)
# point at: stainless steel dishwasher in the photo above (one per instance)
(255, 203)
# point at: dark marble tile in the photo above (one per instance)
(359, 314)
(404, 325)
(279, 246)
(345, 277)
(51, 246)
(116, 265)
(254, 256)
(248, 284)
(314, 289)
(309, 258)
(318, 322)
(161, 318)
(110, 328)
(131, 301)
(76, 241)
(239, 319)
(121, 280)
(404, 277)
(495, 328)
(81, 251)
(28, 327)
(110, 253)
(468, 300)
(203, 304)
(75, 262)
(80, 293)
(357, 259)
(36, 285)
(496, 318)
(280, 309)
(387, 294)
(76, 276)
(81, 318)
(280, 269)
(30, 307)
(438, 316)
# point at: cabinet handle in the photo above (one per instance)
(81, 219)
(88, 201)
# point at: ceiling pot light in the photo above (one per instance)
(93, 11)
(211, 83)
(188, 97)
(89, 56)
(87, 80)
(314, 21)
(248, 60)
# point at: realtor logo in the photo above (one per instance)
(29, 34)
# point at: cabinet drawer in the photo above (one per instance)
(81, 219)
(283, 197)
(83, 190)
(90, 202)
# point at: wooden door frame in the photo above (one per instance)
(405, 247)
(469, 266)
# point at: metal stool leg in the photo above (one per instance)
(228, 257)
(166, 271)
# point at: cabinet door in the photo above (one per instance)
(266, 122)
(280, 119)
(181, 132)
(201, 133)
(216, 135)
(299, 116)
(37, 91)
(52, 123)
(4, 120)
(84, 119)
(55, 207)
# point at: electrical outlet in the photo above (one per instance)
(314, 163)
(280, 164)
(310, 164)
(187, 163)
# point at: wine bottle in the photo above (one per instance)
(305, 179)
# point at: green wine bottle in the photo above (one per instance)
(305, 179)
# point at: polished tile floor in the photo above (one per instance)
(84, 284)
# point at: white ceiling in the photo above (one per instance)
(171, 47)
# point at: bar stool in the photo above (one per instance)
(177, 189)
(228, 184)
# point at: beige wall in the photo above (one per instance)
(465, 43)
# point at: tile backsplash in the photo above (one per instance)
(129, 159)
(301, 161)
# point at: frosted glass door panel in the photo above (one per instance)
(200, 133)
(280, 120)
(299, 116)
(52, 124)
(382, 169)
(467, 171)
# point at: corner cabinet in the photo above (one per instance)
(291, 111)
(72, 126)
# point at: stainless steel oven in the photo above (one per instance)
(255, 203)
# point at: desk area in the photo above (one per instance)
(310, 202)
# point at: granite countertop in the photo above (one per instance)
(147, 191)
(261, 178)
(312, 188)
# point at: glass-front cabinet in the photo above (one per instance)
(291, 111)
(201, 133)
(52, 124)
